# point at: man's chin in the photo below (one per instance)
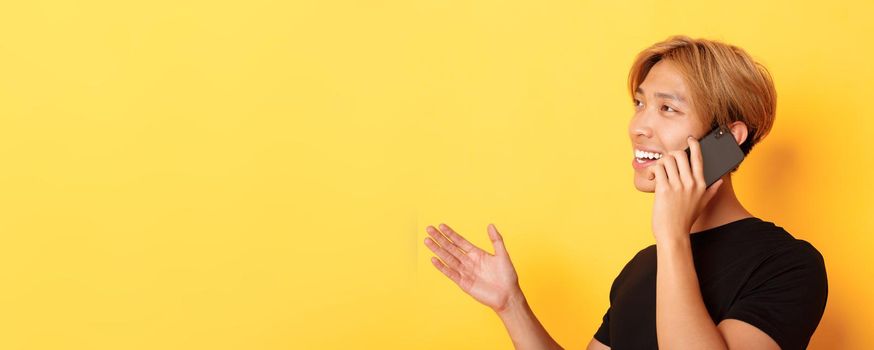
(643, 185)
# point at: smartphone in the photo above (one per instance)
(720, 153)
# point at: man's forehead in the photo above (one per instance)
(663, 93)
(664, 78)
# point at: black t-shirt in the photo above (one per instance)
(750, 270)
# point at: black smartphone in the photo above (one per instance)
(720, 153)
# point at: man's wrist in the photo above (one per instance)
(672, 239)
(515, 305)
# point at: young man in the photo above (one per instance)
(717, 276)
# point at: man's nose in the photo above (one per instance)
(640, 125)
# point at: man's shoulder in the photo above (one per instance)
(786, 246)
(642, 259)
(799, 252)
(648, 253)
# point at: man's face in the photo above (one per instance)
(663, 119)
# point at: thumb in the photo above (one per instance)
(497, 240)
(708, 195)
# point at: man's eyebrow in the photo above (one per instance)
(663, 95)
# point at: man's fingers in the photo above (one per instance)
(673, 175)
(686, 179)
(497, 240)
(446, 244)
(446, 270)
(658, 171)
(456, 238)
(697, 160)
(442, 253)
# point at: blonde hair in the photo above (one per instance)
(726, 84)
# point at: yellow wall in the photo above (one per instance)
(258, 175)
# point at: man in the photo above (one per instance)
(717, 277)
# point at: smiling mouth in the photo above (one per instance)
(644, 156)
(643, 159)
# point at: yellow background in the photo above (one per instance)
(258, 174)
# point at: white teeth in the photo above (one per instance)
(650, 155)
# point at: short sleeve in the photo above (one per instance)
(785, 296)
(603, 333)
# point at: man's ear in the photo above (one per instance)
(739, 130)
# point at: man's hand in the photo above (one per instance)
(680, 193)
(489, 278)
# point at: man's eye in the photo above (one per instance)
(637, 103)
(669, 109)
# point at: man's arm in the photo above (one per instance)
(525, 330)
(491, 280)
(682, 320)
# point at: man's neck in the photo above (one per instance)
(723, 208)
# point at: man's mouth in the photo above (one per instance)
(643, 158)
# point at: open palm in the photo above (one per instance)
(488, 278)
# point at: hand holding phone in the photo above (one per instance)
(720, 153)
